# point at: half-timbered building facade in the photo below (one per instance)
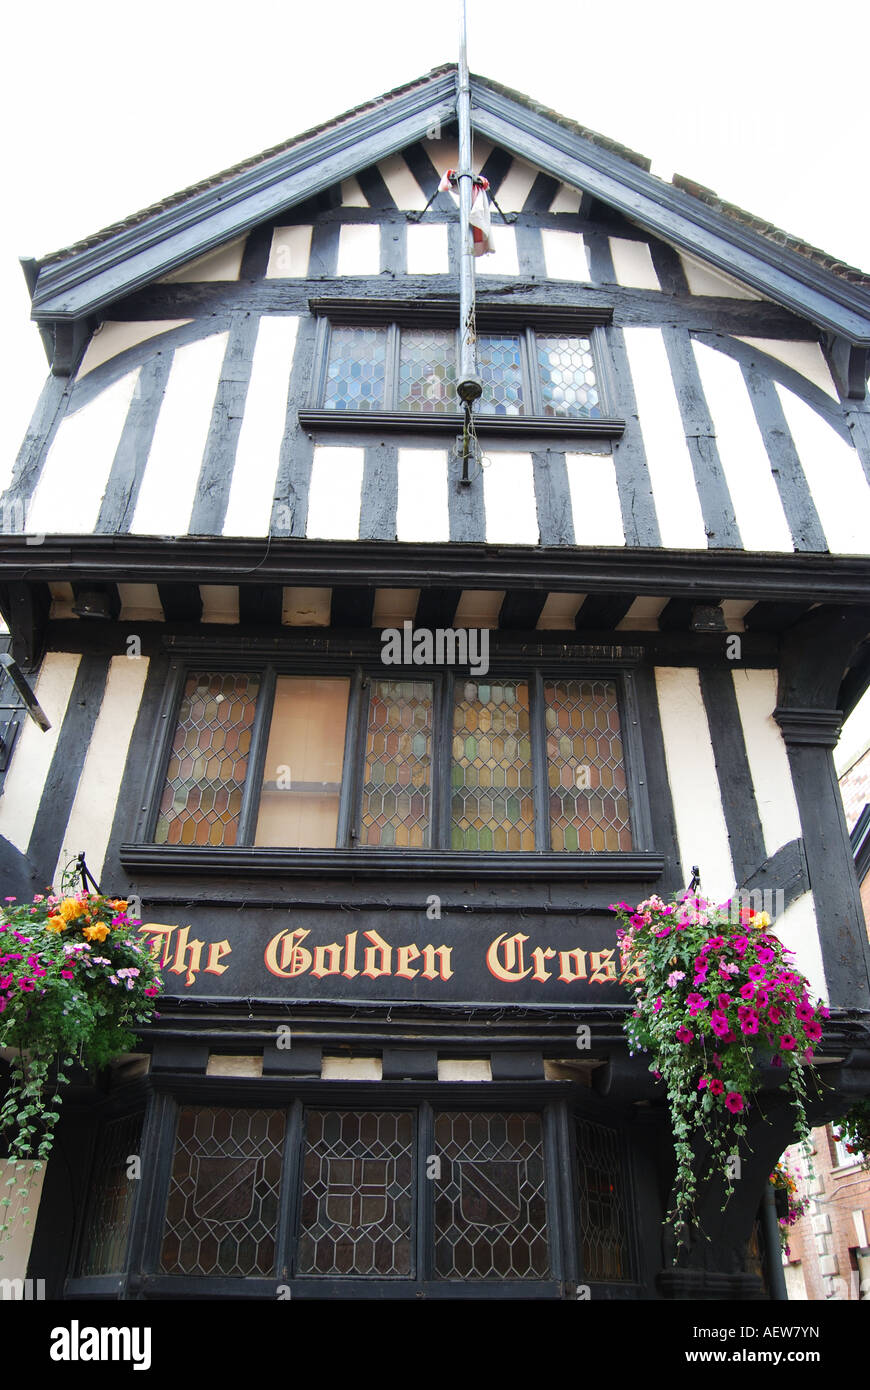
(376, 746)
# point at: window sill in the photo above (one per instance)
(545, 866)
(491, 425)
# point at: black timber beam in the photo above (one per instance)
(601, 611)
(352, 606)
(855, 681)
(521, 609)
(640, 571)
(767, 616)
(260, 605)
(436, 607)
(182, 603)
(26, 608)
(850, 366)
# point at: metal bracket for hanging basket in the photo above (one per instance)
(87, 876)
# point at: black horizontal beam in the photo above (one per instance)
(352, 606)
(181, 602)
(521, 609)
(765, 616)
(445, 311)
(638, 571)
(377, 421)
(260, 605)
(384, 864)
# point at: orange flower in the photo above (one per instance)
(55, 924)
(96, 933)
(71, 908)
(119, 904)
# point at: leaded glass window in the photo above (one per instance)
(492, 800)
(397, 793)
(588, 798)
(499, 366)
(604, 1212)
(208, 764)
(506, 763)
(569, 385)
(427, 370)
(357, 1199)
(393, 368)
(224, 1195)
(490, 1199)
(356, 369)
(104, 1248)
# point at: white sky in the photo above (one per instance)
(107, 106)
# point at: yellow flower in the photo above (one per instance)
(55, 924)
(70, 908)
(761, 920)
(97, 933)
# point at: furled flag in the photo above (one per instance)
(480, 220)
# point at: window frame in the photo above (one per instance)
(361, 673)
(524, 322)
(559, 1114)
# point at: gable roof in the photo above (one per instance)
(85, 278)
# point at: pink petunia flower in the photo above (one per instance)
(804, 1010)
(749, 1023)
(734, 1102)
(787, 1042)
(684, 1034)
(719, 1023)
(716, 1087)
(813, 1031)
(723, 1000)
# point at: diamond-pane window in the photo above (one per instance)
(567, 374)
(356, 369)
(604, 1215)
(396, 805)
(224, 1196)
(490, 1198)
(104, 1248)
(491, 784)
(427, 370)
(208, 763)
(589, 808)
(499, 366)
(357, 1194)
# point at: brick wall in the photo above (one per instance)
(855, 788)
(821, 1263)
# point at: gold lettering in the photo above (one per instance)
(350, 956)
(539, 955)
(603, 967)
(182, 946)
(444, 971)
(406, 954)
(292, 951)
(512, 969)
(156, 930)
(319, 969)
(572, 965)
(216, 950)
(378, 946)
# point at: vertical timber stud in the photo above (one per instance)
(469, 387)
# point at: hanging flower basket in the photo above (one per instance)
(790, 1205)
(721, 1011)
(75, 984)
(853, 1132)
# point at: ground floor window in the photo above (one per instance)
(419, 1193)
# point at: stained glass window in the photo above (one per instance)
(396, 805)
(209, 760)
(427, 370)
(604, 1216)
(490, 1197)
(588, 799)
(358, 1193)
(356, 369)
(567, 374)
(491, 784)
(499, 366)
(104, 1248)
(224, 1196)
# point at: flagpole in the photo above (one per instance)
(469, 387)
